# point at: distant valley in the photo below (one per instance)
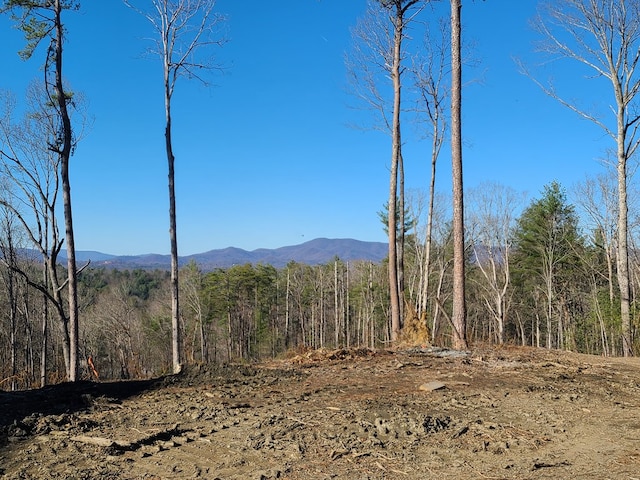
(313, 252)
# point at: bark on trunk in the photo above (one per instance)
(65, 155)
(459, 305)
(396, 322)
(175, 304)
(176, 341)
(623, 251)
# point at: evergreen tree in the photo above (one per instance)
(547, 255)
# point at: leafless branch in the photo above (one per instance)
(185, 32)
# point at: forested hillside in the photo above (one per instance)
(547, 285)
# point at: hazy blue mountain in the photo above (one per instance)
(313, 252)
(83, 256)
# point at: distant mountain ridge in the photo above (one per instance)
(313, 252)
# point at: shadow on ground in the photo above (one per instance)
(69, 397)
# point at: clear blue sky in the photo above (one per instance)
(266, 157)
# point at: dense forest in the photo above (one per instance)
(548, 272)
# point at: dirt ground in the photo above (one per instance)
(350, 414)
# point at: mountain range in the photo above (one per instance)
(313, 252)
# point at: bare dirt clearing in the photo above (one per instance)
(356, 414)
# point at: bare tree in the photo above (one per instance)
(8, 250)
(459, 315)
(191, 280)
(33, 169)
(41, 20)
(430, 72)
(185, 30)
(378, 54)
(596, 198)
(604, 37)
(492, 218)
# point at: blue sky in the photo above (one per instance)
(266, 157)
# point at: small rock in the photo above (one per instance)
(180, 439)
(169, 444)
(151, 449)
(432, 386)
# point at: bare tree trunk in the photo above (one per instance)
(45, 309)
(429, 77)
(401, 236)
(598, 311)
(9, 257)
(29, 356)
(424, 294)
(393, 255)
(436, 310)
(623, 222)
(229, 319)
(550, 300)
(347, 313)
(204, 347)
(335, 306)
(523, 339)
(176, 341)
(45, 339)
(287, 310)
(396, 153)
(72, 275)
(459, 315)
(65, 154)
(13, 311)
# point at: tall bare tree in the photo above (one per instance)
(459, 315)
(604, 37)
(430, 71)
(8, 250)
(597, 199)
(34, 172)
(41, 20)
(492, 218)
(192, 281)
(379, 55)
(185, 31)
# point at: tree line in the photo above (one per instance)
(540, 277)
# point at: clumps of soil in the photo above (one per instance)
(323, 355)
(230, 375)
(507, 413)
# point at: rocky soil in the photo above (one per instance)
(350, 414)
